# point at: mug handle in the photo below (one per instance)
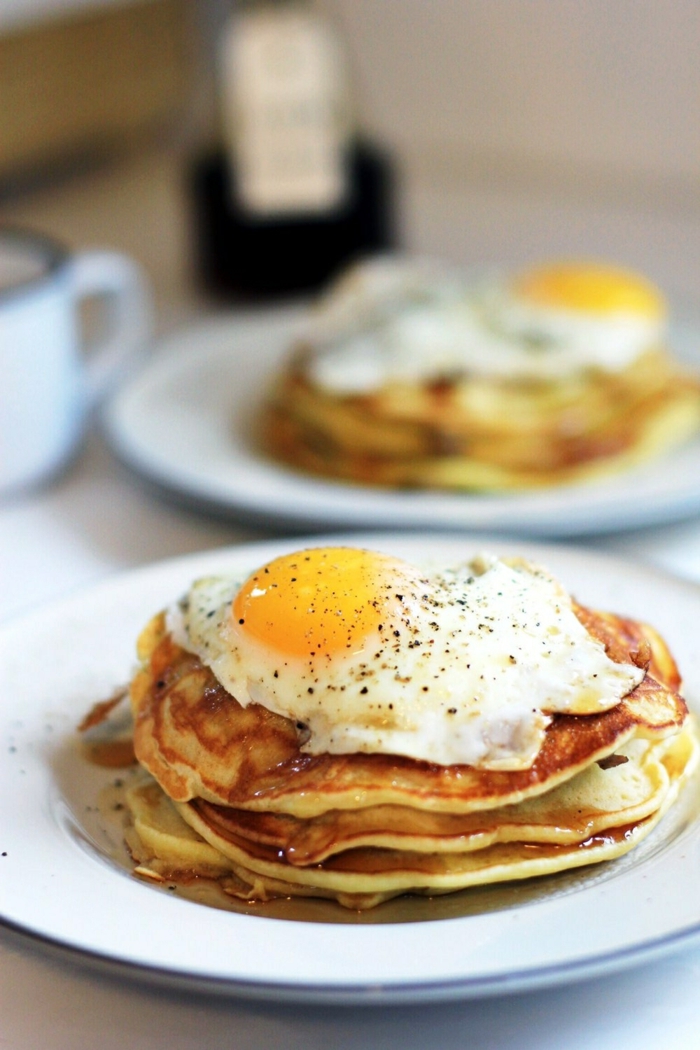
(121, 284)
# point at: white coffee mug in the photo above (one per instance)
(49, 379)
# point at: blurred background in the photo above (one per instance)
(516, 129)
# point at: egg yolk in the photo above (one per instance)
(591, 288)
(322, 601)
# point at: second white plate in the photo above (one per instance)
(186, 423)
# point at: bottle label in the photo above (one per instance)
(285, 112)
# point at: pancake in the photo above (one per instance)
(583, 806)
(199, 742)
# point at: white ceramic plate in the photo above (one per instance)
(185, 423)
(59, 880)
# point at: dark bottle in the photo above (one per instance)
(293, 194)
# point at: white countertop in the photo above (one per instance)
(97, 520)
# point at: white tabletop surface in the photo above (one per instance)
(98, 520)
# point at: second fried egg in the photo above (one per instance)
(393, 320)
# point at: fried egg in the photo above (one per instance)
(392, 321)
(368, 653)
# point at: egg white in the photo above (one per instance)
(468, 667)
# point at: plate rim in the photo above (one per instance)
(367, 994)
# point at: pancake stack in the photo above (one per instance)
(233, 793)
(412, 378)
